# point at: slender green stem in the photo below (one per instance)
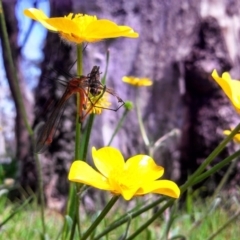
(125, 218)
(159, 142)
(9, 59)
(73, 203)
(209, 159)
(106, 69)
(225, 177)
(215, 168)
(87, 135)
(152, 219)
(77, 131)
(119, 125)
(78, 123)
(140, 121)
(41, 193)
(170, 221)
(100, 217)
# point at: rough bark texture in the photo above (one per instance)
(180, 43)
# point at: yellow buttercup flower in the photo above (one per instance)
(230, 86)
(97, 103)
(137, 82)
(236, 138)
(137, 176)
(80, 28)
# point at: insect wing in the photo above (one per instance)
(45, 132)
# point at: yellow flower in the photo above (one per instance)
(97, 103)
(231, 87)
(236, 138)
(137, 82)
(137, 176)
(80, 28)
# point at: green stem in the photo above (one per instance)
(225, 178)
(119, 125)
(151, 220)
(209, 159)
(73, 203)
(100, 217)
(78, 132)
(215, 168)
(78, 123)
(159, 142)
(87, 135)
(106, 69)
(140, 121)
(41, 193)
(125, 218)
(9, 62)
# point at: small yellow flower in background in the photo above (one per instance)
(79, 28)
(138, 82)
(97, 103)
(230, 86)
(236, 138)
(137, 176)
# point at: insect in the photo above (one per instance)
(96, 88)
(86, 86)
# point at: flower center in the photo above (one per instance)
(122, 180)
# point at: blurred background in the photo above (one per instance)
(180, 43)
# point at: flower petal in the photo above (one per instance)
(164, 187)
(81, 172)
(106, 159)
(64, 25)
(103, 28)
(38, 15)
(230, 87)
(128, 194)
(144, 167)
(236, 138)
(137, 82)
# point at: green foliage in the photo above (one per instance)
(173, 224)
(25, 222)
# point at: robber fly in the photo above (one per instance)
(84, 86)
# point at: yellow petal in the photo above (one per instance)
(64, 25)
(164, 187)
(138, 82)
(106, 159)
(98, 103)
(38, 15)
(128, 194)
(143, 167)
(230, 87)
(128, 32)
(81, 172)
(236, 138)
(103, 28)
